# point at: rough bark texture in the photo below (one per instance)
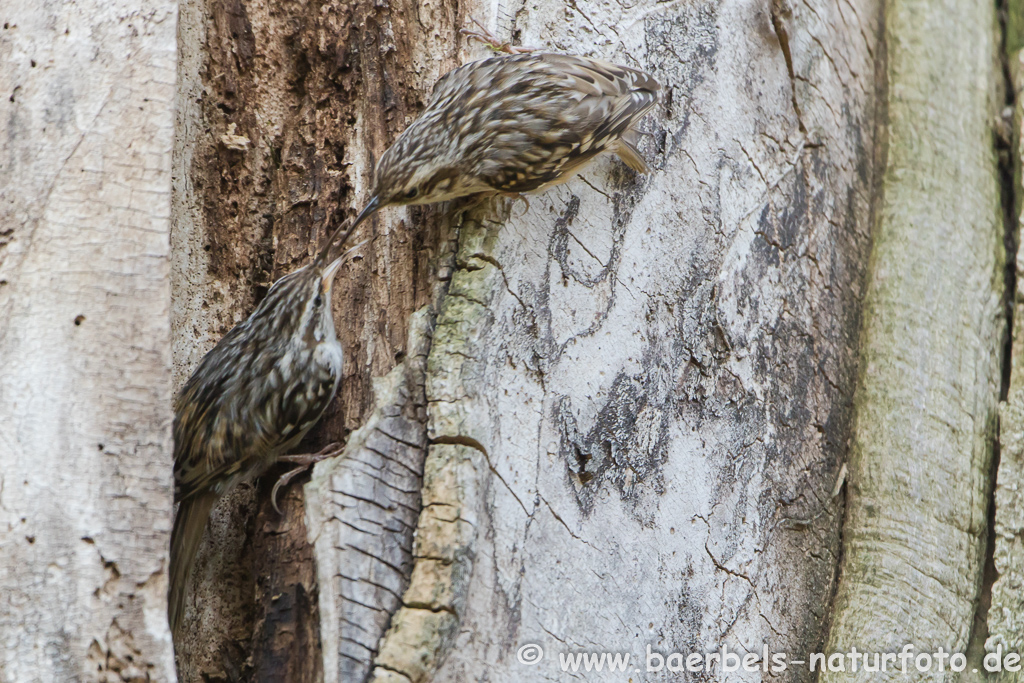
(934, 326)
(86, 122)
(283, 107)
(638, 390)
(611, 419)
(1006, 613)
(638, 387)
(363, 508)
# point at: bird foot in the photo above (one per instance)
(483, 35)
(304, 462)
(516, 197)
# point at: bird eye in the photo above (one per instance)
(411, 194)
(318, 300)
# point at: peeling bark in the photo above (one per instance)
(637, 390)
(362, 512)
(86, 119)
(610, 419)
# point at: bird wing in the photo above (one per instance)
(213, 440)
(223, 430)
(230, 420)
(557, 112)
(615, 97)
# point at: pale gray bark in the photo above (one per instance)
(636, 386)
(628, 401)
(86, 120)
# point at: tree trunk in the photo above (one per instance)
(637, 390)
(86, 120)
(1004, 623)
(633, 470)
(614, 418)
(920, 461)
(283, 108)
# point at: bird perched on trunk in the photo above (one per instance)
(513, 124)
(252, 399)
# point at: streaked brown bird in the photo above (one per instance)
(252, 399)
(513, 124)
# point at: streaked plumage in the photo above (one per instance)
(512, 124)
(252, 399)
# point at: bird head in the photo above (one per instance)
(298, 305)
(419, 169)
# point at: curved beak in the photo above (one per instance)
(370, 208)
(327, 276)
(328, 273)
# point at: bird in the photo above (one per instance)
(250, 400)
(512, 124)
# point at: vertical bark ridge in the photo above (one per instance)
(1004, 625)
(424, 628)
(934, 322)
(361, 514)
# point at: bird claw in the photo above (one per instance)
(516, 197)
(305, 461)
(283, 481)
(490, 40)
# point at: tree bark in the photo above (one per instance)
(614, 418)
(86, 120)
(613, 460)
(920, 461)
(619, 466)
(1005, 613)
(283, 108)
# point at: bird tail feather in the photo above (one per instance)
(630, 155)
(189, 525)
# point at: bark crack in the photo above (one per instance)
(778, 23)
(1007, 147)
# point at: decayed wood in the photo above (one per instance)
(283, 107)
(934, 326)
(286, 643)
(86, 118)
(638, 392)
(362, 509)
